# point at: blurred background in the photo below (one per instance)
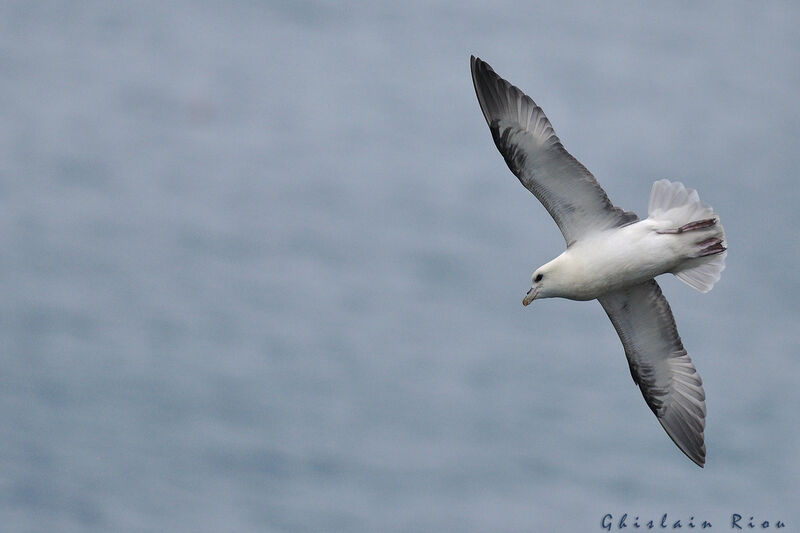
(261, 266)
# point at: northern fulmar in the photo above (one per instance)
(613, 256)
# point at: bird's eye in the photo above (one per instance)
(538, 278)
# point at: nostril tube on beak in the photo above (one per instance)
(529, 297)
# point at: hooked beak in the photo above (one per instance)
(531, 296)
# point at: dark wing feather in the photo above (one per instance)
(659, 364)
(536, 156)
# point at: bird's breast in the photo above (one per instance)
(618, 258)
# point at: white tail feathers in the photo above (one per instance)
(697, 225)
(672, 201)
(705, 273)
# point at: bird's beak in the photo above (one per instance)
(531, 296)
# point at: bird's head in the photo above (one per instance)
(539, 283)
(552, 280)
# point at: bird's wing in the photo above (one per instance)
(535, 155)
(659, 364)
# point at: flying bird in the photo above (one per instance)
(612, 255)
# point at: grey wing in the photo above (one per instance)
(533, 152)
(659, 364)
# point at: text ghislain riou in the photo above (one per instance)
(736, 521)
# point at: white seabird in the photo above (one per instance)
(613, 256)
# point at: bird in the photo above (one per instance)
(613, 256)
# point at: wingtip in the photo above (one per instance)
(696, 455)
(700, 461)
(474, 64)
(479, 66)
(477, 70)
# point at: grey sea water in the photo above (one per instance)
(261, 266)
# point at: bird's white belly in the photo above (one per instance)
(621, 257)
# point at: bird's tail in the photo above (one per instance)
(680, 211)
